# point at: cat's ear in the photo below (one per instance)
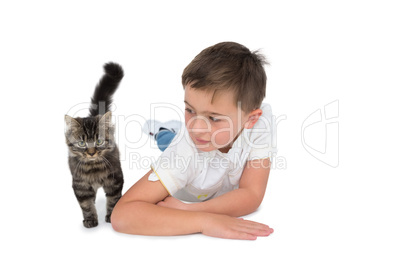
(106, 119)
(71, 127)
(71, 124)
(106, 128)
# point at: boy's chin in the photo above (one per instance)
(205, 149)
(211, 148)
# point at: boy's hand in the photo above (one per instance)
(171, 202)
(223, 226)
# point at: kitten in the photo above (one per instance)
(93, 155)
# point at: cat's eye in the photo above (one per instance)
(81, 143)
(99, 142)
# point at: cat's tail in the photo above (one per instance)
(107, 86)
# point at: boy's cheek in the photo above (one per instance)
(223, 136)
(187, 119)
(221, 139)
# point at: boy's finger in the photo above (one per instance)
(243, 236)
(254, 224)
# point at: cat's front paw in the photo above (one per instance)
(107, 218)
(90, 223)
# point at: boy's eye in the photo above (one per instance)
(189, 111)
(81, 143)
(214, 119)
(99, 142)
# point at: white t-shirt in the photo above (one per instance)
(192, 175)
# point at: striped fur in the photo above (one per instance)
(93, 155)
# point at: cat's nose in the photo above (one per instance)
(91, 151)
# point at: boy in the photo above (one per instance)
(226, 145)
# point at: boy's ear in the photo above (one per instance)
(253, 118)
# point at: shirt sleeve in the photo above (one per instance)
(176, 165)
(262, 137)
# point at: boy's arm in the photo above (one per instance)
(239, 202)
(137, 213)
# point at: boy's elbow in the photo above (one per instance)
(253, 202)
(249, 207)
(120, 218)
(126, 218)
(117, 220)
(253, 207)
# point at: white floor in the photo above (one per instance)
(334, 194)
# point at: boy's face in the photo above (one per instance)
(212, 125)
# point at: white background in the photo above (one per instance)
(51, 57)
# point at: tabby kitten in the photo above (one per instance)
(93, 155)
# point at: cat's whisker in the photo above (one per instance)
(113, 156)
(78, 167)
(107, 163)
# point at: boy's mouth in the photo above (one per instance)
(201, 141)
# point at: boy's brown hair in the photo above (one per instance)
(229, 66)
